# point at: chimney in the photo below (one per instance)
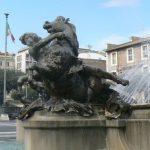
(111, 46)
(135, 38)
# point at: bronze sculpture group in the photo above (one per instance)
(64, 82)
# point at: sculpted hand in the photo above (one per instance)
(61, 35)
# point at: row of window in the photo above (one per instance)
(28, 64)
(2, 63)
(130, 55)
(27, 57)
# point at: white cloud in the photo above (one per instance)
(119, 3)
(101, 44)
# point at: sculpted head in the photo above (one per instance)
(29, 38)
(58, 25)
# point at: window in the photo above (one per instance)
(7, 64)
(27, 57)
(18, 66)
(144, 51)
(1, 63)
(114, 58)
(28, 64)
(19, 58)
(130, 55)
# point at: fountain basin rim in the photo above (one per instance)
(140, 106)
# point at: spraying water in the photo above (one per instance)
(138, 91)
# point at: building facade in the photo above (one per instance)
(10, 61)
(23, 60)
(126, 55)
(93, 58)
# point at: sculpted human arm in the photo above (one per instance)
(47, 40)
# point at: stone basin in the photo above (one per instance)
(46, 130)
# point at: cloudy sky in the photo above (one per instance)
(98, 22)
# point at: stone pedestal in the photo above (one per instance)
(138, 128)
(20, 131)
(51, 132)
(47, 131)
(115, 136)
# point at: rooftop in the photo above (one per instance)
(91, 55)
(23, 49)
(134, 41)
(8, 54)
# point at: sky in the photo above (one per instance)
(97, 22)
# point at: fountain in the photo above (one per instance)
(77, 107)
(138, 92)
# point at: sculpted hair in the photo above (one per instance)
(35, 37)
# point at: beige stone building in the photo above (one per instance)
(124, 56)
(10, 61)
